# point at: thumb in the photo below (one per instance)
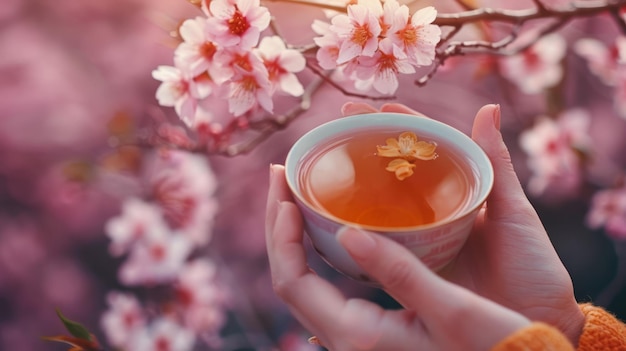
(507, 193)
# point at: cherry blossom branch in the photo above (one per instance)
(517, 18)
(619, 20)
(580, 9)
(345, 92)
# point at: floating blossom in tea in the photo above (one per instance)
(406, 149)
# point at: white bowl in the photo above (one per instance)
(436, 244)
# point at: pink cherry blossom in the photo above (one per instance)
(123, 319)
(383, 68)
(182, 185)
(249, 90)
(197, 51)
(181, 90)
(608, 210)
(538, 67)
(281, 64)
(329, 43)
(417, 36)
(553, 149)
(163, 334)
(201, 297)
(156, 259)
(234, 60)
(137, 220)
(237, 22)
(358, 30)
(603, 60)
(387, 16)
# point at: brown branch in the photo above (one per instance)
(326, 5)
(342, 90)
(619, 20)
(267, 126)
(583, 9)
(540, 5)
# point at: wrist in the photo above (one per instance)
(572, 324)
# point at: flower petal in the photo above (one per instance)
(402, 168)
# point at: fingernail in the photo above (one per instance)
(345, 109)
(496, 117)
(358, 243)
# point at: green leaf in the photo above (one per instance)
(76, 329)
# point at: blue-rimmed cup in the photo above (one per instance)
(437, 243)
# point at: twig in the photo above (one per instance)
(619, 20)
(267, 126)
(582, 9)
(344, 91)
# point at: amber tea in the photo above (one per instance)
(387, 178)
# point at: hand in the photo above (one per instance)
(508, 258)
(435, 308)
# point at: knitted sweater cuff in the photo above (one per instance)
(602, 331)
(536, 337)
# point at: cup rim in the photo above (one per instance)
(457, 139)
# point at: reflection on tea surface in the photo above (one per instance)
(346, 179)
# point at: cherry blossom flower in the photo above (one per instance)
(163, 334)
(603, 61)
(182, 184)
(156, 260)
(358, 30)
(137, 220)
(329, 44)
(401, 167)
(406, 149)
(237, 22)
(608, 210)
(417, 36)
(383, 68)
(409, 147)
(249, 90)
(234, 60)
(538, 67)
(181, 90)
(123, 319)
(281, 64)
(554, 149)
(201, 297)
(197, 51)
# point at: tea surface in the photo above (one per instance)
(347, 179)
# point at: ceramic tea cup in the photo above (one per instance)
(436, 244)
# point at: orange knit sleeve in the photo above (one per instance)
(602, 331)
(536, 337)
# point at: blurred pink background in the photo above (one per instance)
(68, 67)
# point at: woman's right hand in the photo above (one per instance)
(508, 258)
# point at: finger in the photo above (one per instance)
(278, 191)
(403, 276)
(311, 299)
(399, 108)
(366, 326)
(357, 108)
(441, 306)
(507, 192)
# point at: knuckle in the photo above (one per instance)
(459, 311)
(281, 288)
(398, 275)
